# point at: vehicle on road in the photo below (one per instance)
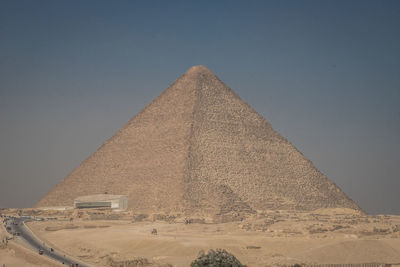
(37, 245)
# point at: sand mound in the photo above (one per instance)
(357, 251)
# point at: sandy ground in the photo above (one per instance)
(269, 238)
(17, 256)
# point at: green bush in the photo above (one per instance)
(218, 258)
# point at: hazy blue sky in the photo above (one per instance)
(326, 74)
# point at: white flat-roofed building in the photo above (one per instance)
(119, 202)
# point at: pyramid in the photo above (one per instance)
(198, 148)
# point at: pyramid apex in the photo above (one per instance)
(198, 69)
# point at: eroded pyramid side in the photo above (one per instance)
(231, 145)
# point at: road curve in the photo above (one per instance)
(18, 225)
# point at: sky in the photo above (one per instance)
(325, 74)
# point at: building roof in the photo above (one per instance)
(98, 197)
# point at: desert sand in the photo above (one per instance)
(17, 256)
(325, 236)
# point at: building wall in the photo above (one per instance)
(123, 203)
(92, 204)
(117, 203)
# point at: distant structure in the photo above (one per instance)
(119, 202)
(198, 148)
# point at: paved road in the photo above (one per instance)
(17, 225)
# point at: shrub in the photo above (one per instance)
(216, 258)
